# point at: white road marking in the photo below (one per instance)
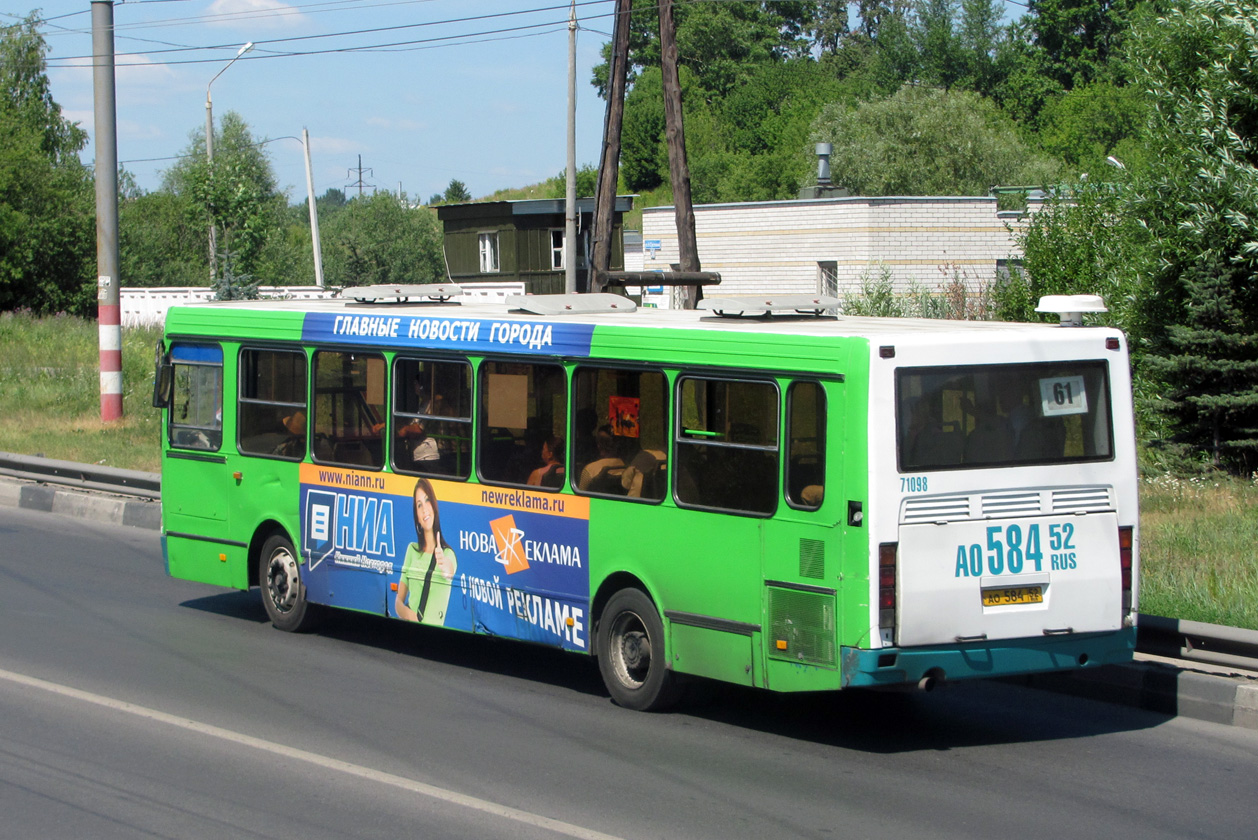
(472, 802)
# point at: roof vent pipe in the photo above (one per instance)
(824, 150)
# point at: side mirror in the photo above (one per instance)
(163, 377)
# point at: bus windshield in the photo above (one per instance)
(983, 416)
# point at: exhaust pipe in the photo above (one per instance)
(930, 679)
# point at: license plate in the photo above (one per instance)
(1019, 595)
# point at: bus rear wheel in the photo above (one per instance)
(283, 593)
(631, 657)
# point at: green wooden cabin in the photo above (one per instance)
(523, 241)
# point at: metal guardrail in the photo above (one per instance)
(82, 476)
(1196, 641)
(1193, 641)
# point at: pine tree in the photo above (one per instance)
(1210, 367)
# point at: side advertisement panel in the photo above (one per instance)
(500, 561)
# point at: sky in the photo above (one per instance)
(424, 90)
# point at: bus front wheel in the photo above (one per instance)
(283, 593)
(631, 653)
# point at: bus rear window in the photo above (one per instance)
(982, 416)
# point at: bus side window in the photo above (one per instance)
(349, 403)
(522, 405)
(805, 445)
(619, 433)
(196, 407)
(727, 445)
(432, 417)
(272, 408)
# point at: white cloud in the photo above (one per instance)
(334, 145)
(394, 125)
(254, 14)
(137, 81)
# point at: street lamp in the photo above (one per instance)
(209, 149)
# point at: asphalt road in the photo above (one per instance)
(133, 705)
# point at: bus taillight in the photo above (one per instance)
(1125, 563)
(886, 586)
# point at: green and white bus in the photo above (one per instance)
(759, 492)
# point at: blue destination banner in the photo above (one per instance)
(468, 335)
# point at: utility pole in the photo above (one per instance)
(314, 211)
(108, 302)
(609, 164)
(570, 196)
(679, 170)
(359, 183)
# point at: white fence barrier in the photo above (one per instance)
(147, 306)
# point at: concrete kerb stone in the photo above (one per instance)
(1169, 689)
(98, 507)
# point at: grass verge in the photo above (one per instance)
(50, 390)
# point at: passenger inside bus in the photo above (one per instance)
(422, 447)
(551, 472)
(642, 478)
(294, 444)
(933, 442)
(603, 474)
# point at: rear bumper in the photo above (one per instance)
(1007, 657)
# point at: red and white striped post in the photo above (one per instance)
(109, 319)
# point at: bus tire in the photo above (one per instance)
(283, 593)
(631, 658)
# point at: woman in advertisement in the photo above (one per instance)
(423, 592)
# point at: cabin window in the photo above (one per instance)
(196, 408)
(488, 252)
(556, 249)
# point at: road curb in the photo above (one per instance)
(97, 507)
(1165, 688)
(1229, 698)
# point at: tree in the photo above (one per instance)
(47, 211)
(720, 43)
(238, 192)
(927, 142)
(979, 35)
(161, 240)
(830, 26)
(1079, 243)
(587, 180)
(1086, 125)
(456, 192)
(1077, 38)
(936, 41)
(1196, 194)
(380, 239)
(1211, 365)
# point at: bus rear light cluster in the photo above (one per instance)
(1125, 563)
(886, 585)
